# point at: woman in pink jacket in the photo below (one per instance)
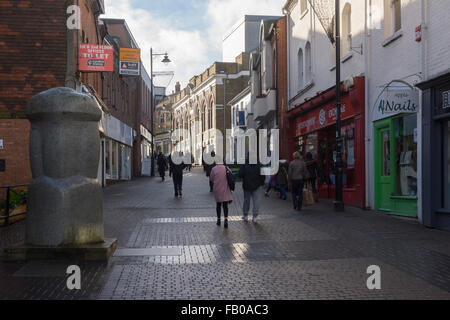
(221, 191)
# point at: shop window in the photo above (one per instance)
(446, 165)
(386, 153)
(406, 153)
(108, 158)
(114, 161)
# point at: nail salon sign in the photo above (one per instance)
(396, 98)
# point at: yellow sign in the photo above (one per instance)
(130, 55)
(130, 61)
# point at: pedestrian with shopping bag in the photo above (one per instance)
(252, 181)
(221, 189)
(297, 174)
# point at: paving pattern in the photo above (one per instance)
(172, 249)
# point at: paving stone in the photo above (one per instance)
(172, 249)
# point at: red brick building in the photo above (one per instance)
(38, 52)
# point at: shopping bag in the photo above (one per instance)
(308, 197)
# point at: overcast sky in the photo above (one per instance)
(191, 31)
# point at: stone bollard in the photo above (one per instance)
(65, 199)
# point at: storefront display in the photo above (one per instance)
(395, 149)
(314, 131)
(436, 152)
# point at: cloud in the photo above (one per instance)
(223, 14)
(187, 49)
(193, 50)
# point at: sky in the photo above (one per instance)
(190, 31)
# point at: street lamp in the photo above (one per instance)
(338, 203)
(166, 61)
(224, 105)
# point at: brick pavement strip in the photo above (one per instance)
(314, 254)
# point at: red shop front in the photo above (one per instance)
(313, 130)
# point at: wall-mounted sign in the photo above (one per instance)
(96, 58)
(445, 100)
(320, 118)
(419, 33)
(130, 61)
(398, 97)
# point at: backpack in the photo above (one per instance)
(230, 179)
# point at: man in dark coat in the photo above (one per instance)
(162, 166)
(176, 171)
(252, 181)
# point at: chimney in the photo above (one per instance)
(177, 87)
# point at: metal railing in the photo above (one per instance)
(8, 208)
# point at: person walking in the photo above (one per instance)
(283, 179)
(208, 169)
(176, 171)
(252, 181)
(222, 192)
(297, 173)
(312, 167)
(271, 185)
(162, 166)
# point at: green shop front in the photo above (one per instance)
(394, 119)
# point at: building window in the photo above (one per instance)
(392, 17)
(303, 6)
(347, 29)
(308, 62)
(300, 68)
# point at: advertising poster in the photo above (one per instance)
(130, 61)
(96, 58)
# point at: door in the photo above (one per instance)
(383, 168)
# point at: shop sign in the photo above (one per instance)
(321, 118)
(398, 97)
(96, 58)
(145, 133)
(130, 61)
(117, 130)
(445, 100)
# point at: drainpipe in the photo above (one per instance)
(367, 118)
(288, 24)
(419, 116)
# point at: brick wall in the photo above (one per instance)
(15, 135)
(32, 51)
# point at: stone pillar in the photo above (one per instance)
(65, 199)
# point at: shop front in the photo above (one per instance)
(436, 152)
(117, 144)
(394, 117)
(313, 130)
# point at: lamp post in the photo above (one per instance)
(338, 203)
(224, 107)
(166, 60)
